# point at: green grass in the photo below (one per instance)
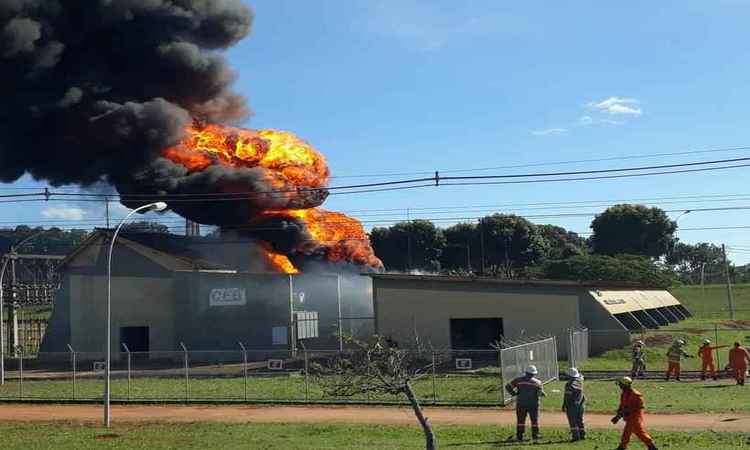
(661, 397)
(711, 302)
(292, 436)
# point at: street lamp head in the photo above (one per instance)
(158, 206)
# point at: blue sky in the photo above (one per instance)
(396, 86)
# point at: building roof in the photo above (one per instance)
(502, 281)
(169, 251)
(622, 301)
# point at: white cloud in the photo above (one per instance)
(618, 106)
(64, 213)
(585, 121)
(549, 131)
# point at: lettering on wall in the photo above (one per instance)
(618, 301)
(227, 297)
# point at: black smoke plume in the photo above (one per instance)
(94, 90)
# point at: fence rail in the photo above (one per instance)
(578, 346)
(457, 377)
(515, 358)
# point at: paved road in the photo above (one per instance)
(344, 414)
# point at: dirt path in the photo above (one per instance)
(343, 414)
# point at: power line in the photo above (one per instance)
(541, 164)
(437, 179)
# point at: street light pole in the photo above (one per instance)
(158, 206)
(676, 220)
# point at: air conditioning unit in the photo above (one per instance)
(275, 364)
(463, 363)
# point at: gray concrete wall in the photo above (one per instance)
(136, 302)
(402, 306)
(605, 332)
(57, 335)
(206, 326)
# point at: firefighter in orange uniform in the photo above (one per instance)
(631, 409)
(706, 353)
(738, 360)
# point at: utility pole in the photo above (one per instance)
(730, 299)
(468, 256)
(481, 243)
(703, 279)
(106, 210)
(408, 252)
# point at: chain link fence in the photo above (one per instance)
(515, 357)
(455, 377)
(578, 346)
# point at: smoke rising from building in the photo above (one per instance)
(128, 92)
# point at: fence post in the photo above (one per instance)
(716, 334)
(502, 378)
(307, 376)
(434, 376)
(244, 366)
(571, 350)
(187, 373)
(73, 364)
(19, 353)
(127, 351)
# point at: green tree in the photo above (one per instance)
(511, 243)
(690, 260)
(634, 230)
(463, 248)
(617, 269)
(416, 244)
(53, 241)
(145, 226)
(562, 243)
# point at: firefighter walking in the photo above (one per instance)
(639, 360)
(738, 360)
(528, 390)
(631, 409)
(674, 356)
(574, 405)
(706, 353)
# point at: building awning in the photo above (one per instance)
(618, 302)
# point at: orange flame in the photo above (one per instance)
(289, 161)
(343, 236)
(279, 262)
(281, 152)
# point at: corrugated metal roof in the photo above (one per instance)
(517, 282)
(622, 301)
(169, 261)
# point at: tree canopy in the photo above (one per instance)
(145, 226)
(511, 243)
(51, 241)
(633, 230)
(417, 244)
(690, 260)
(621, 268)
(562, 243)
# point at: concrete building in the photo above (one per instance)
(470, 313)
(165, 292)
